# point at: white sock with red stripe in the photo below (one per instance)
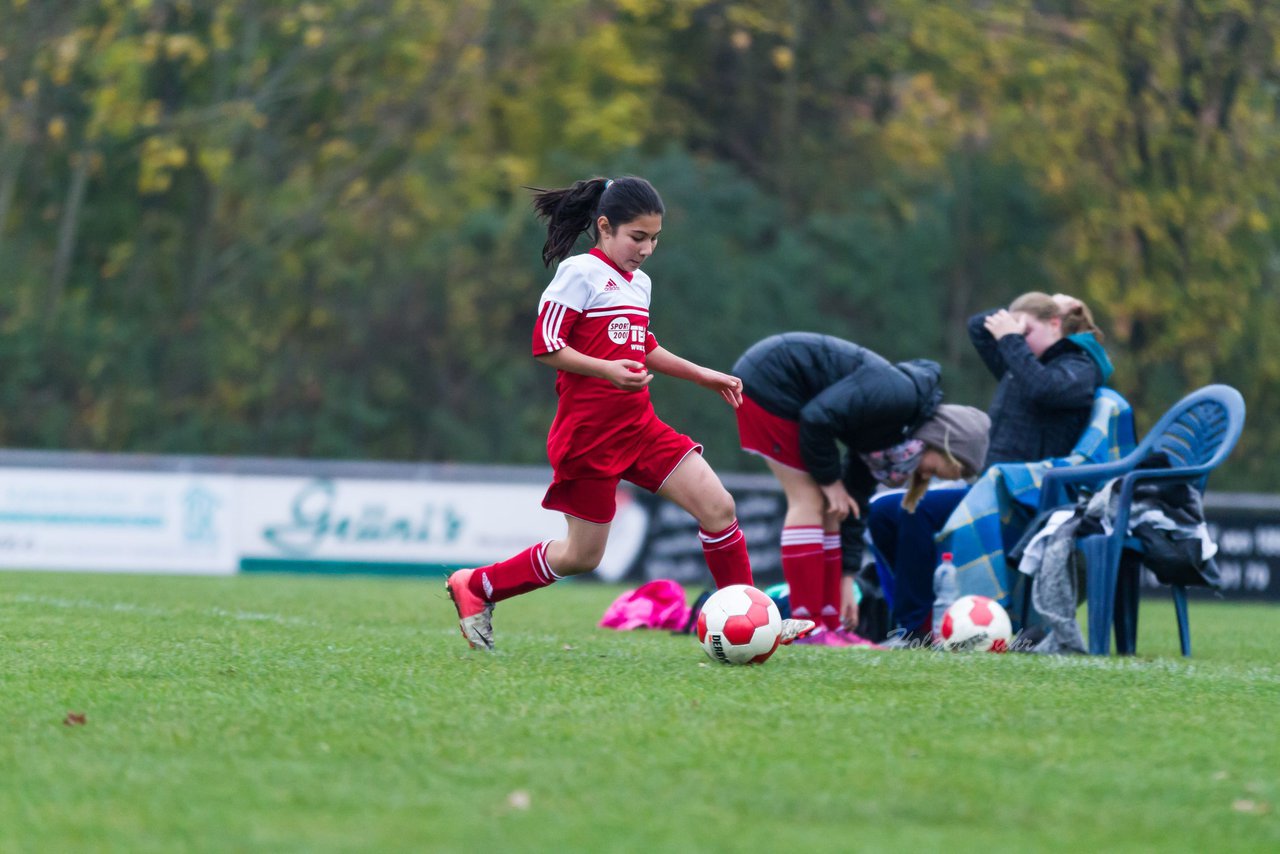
(832, 568)
(526, 571)
(726, 555)
(802, 568)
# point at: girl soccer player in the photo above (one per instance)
(593, 328)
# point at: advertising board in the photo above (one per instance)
(117, 521)
(404, 527)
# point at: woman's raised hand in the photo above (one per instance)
(1002, 323)
(1066, 302)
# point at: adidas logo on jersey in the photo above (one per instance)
(611, 286)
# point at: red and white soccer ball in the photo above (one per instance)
(976, 624)
(739, 625)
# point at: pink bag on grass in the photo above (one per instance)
(657, 605)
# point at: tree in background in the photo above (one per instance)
(1118, 150)
(300, 230)
(254, 229)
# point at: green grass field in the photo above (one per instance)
(279, 713)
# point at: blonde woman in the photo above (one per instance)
(1047, 354)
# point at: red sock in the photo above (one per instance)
(802, 568)
(515, 575)
(832, 569)
(726, 555)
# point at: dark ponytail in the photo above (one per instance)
(570, 211)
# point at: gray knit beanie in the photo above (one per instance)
(961, 431)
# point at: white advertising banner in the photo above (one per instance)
(338, 524)
(186, 522)
(116, 521)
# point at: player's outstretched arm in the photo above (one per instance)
(727, 386)
(626, 374)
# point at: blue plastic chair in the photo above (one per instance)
(1197, 434)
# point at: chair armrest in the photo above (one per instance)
(1186, 473)
(1053, 486)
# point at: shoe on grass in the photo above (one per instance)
(851, 638)
(820, 637)
(475, 616)
(793, 630)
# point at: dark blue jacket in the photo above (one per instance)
(1041, 406)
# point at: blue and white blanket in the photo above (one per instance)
(987, 521)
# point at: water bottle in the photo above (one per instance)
(945, 591)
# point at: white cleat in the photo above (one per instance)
(792, 629)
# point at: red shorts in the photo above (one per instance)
(647, 460)
(761, 432)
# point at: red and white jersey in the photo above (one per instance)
(600, 311)
(595, 308)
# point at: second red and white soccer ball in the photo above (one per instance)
(976, 624)
(739, 625)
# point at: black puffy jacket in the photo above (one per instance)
(839, 391)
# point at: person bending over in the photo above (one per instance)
(805, 395)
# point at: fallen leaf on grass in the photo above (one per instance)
(1251, 807)
(74, 719)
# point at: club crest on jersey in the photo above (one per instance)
(619, 330)
(611, 285)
